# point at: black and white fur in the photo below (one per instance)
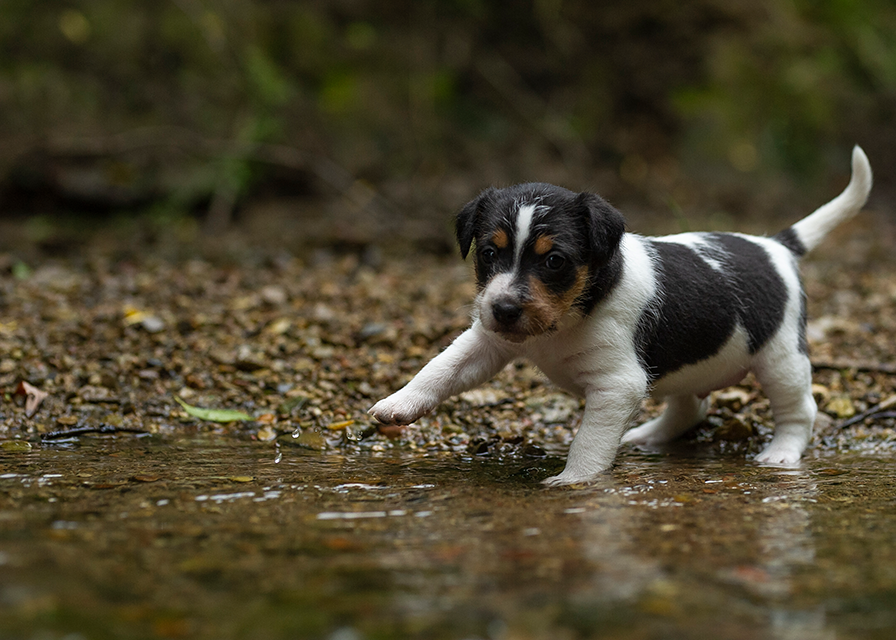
(615, 317)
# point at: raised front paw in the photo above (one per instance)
(399, 408)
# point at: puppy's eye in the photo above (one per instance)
(488, 255)
(555, 262)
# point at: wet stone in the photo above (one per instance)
(309, 439)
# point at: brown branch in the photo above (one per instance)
(877, 409)
(865, 366)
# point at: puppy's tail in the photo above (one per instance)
(806, 234)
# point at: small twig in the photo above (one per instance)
(877, 410)
(80, 431)
(868, 367)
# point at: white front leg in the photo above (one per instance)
(608, 413)
(473, 358)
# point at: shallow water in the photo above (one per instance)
(143, 537)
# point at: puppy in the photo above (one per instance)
(615, 317)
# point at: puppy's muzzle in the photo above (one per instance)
(506, 312)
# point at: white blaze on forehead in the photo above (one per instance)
(523, 224)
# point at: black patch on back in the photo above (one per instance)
(693, 317)
(790, 240)
(759, 293)
(698, 306)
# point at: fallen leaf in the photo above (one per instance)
(340, 543)
(734, 398)
(146, 478)
(214, 415)
(266, 433)
(734, 430)
(16, 446)
(841, 406)
(820, 391)
(33, 397)
(102, 486)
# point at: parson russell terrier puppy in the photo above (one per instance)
(615, 317)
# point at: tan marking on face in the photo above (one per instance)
(577, 289)
(544, 310)
(500, 239)
(543, 245)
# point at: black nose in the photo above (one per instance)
(506, 312)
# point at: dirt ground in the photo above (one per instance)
(113, 327)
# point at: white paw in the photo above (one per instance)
(400, 408)
(560, 481)
(567, 478)
(647, 434)
(782, 454)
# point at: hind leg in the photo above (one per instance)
(787, 381)
(682, 413)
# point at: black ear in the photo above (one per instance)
(605, 225)
(469, 220)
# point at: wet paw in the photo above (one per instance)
(557, 481)
(779, 455)
(565, 479)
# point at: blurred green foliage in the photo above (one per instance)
(396, 89)
(810, 74)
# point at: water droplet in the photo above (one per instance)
(278, 458)
(297, 432)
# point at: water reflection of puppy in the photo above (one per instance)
(623, 572)
(786, 546)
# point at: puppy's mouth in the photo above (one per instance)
(513, 336)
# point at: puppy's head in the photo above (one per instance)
(541, 253)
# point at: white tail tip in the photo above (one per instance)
(814, 227)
